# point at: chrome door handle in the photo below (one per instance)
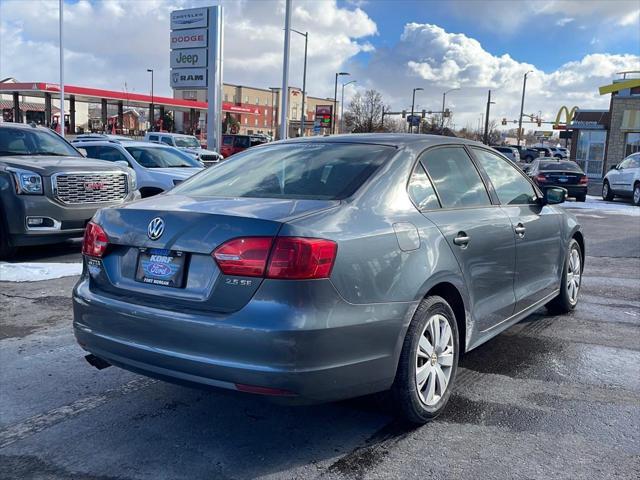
(520, 229)
(462, 239)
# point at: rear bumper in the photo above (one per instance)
(326, 351)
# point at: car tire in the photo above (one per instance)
(567, 299)
(434, 369)
(7, 251)
(581, 198)
(607, 194)
(636, 194)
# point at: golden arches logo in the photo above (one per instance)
(568, 115)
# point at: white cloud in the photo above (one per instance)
(630, 19)
(111, 42)
(428, 56)
(561, 22)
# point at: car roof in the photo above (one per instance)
(391, 139)
(23, 125)
(169, 134)
(113, 143)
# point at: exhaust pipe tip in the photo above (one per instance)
(97, 362)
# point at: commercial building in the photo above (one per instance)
(602, 138)
(250, 110)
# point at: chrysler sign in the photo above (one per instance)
(189, 38)
(189, 78)
(192, 18)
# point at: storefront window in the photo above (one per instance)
(632, 143)
(590, 151)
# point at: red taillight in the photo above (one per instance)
(246, 257)
(301, 258)
(281, 257)
(584, 180)
(541, 178)
(95, 241)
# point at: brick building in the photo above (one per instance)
(249, 110)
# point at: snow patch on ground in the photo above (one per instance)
(34, 272)
(596, 204)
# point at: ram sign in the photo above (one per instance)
(196, 37)
(189, 78)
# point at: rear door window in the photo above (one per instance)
(329, 171)
(153, 138)
(510, 185)
(167, 140)
(455, 178)
(421, 191)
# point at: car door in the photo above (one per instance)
(627, 174)
(536, 230)
(478, 232)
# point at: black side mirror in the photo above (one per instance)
(613, 167)
(554, 195)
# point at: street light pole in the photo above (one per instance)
(303, 115)
(444, 97)
(524, 87)
(61, 122)
(273, 112)
(486, 120)
(284, 98)
(413, 103)
(342, 105)
(335, 100)
(152, 120)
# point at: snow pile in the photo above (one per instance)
(596, 204)
(33, 272)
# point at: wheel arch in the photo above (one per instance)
(454, 298)
(580, 239)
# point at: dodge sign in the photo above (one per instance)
(188, 78)
(196, 37)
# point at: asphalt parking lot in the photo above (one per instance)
(552, 397)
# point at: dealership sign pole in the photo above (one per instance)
(61, 122)
(196, 60)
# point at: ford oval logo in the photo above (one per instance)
(160, 269)
(155, 228)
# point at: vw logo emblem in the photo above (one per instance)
(155, 229)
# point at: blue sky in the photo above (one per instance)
(547, 40)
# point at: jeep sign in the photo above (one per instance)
(188, 78)
(189, 38)
(192, 18)
(186, 58)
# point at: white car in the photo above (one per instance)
(158, 168)
(623, 180)
(186, 143)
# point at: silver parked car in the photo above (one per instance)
(623, 180)
(341, 266)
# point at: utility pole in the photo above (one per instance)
(486, 120)
(62, 126)
(284, 127)
(413, 103)
(444, 97)
(303, 116)
(152, 110)
(524, 88)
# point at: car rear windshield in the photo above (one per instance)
(187, 142)
(561, 166)
(161, 157)
(330, 171)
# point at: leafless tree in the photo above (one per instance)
(365, 112)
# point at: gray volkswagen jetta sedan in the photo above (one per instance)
(318, 269)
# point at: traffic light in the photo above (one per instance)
(539, 122)
(404, 114)
(447, 113)
(424, 113)
(504, 121)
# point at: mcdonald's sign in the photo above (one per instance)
(568, 117)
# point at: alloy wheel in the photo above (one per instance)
(574, 276)
(636, 195)
(605, 190)
(434, 359)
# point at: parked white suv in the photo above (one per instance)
(158, 168)
(623, 180)
(186, 143)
